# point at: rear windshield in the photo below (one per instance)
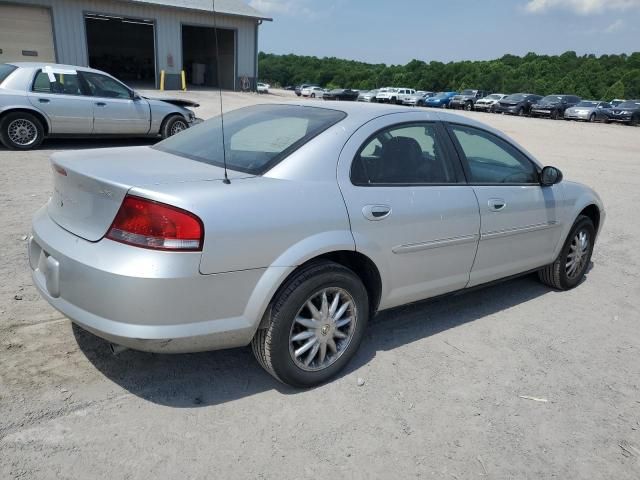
(5, 71)
(256, 138)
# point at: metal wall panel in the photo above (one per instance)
(71, 42)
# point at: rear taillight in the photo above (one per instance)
(149, 224)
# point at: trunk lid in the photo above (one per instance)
(89, 185)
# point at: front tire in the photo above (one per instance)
(468, 106)
(21, 131)
(573, 261)
(173, 125)
(316, 324)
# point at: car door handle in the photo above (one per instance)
(101, 104)
(497, 204)
(44, 100)
(376, 213)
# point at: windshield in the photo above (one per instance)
(5, 71)
(256, 138)
(518, 97)
(588, 104)
(630, 104)
(495, 97)
(468, 92)
(551, 99)
(441, 95)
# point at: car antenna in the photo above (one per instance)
(224, 148)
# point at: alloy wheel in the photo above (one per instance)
(578, 254)
(177, 127)
(323, 329)
(22, 132)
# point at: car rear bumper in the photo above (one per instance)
(144, 299)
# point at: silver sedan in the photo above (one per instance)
(323, 217)
(39, 100)
(588, 111)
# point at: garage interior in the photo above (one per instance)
(123, 47)
(199, 56)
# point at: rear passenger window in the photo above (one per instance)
(65, 83)
(407, 154)
(492, 160)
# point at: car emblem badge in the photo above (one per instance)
(325, 329)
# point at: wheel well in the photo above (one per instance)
(35, 113)
(169, 116)
(361, 265)
(593, 212)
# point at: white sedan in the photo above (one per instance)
(263, 88)
(312, 92)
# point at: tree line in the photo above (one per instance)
(588, 76)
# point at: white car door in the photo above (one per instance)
(115, 110)
(409, 208)
(60, 96)
(520, 218)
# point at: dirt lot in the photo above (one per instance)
(444, 380)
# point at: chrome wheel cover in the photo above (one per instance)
(578, 254)
(177, 127)
(323, 329)
(22, 132)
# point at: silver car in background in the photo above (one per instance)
(418, 98)
(323, 217)
(369, 97)
(588, 111)
(488, 103)
(40, 100)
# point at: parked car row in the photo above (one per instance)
(569, 107)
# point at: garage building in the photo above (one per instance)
(135, 40)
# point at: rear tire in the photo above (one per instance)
(173, 125)
(21, 131)
(275, 347)
(573, 261)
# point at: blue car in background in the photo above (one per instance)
(440, 100)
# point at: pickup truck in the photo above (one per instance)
(467, 99)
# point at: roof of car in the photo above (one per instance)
(54, 65)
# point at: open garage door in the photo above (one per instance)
(199, 56)
(26, 34)
(123, 47)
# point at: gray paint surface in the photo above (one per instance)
(70, 35)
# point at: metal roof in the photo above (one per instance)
(226, 7)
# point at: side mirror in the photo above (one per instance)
(550, 176)
(135, 97)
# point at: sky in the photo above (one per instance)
(395, 32)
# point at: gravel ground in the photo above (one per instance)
(446, 383)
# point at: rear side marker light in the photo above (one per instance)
(148, 224)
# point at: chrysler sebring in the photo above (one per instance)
(323, 217)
